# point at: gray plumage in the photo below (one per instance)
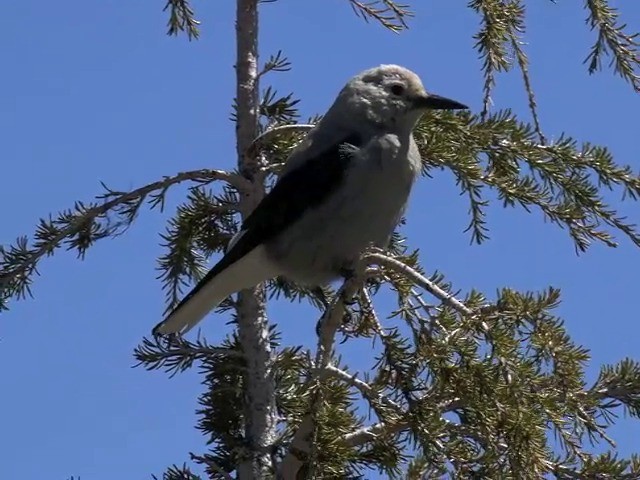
(343, 188)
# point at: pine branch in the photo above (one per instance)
(367, 304)
(86, 223)
(328, 327)
(619, 384)
(606, 466)
(418, 279)
(276, 63)
(375, 431)
(517, 30)
(301, 450)
(560, 400)
(175, 354)
(203, 224)
(302, 444)
(390, 14)
(182, 19)
(613, 40)
(278, 109)
(562, 179)
(363, 387)
(491, 43)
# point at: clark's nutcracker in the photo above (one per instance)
(343, 188)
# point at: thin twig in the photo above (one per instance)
(524, 69)
(421, 280)
(491, 57)
(332, 319)
(365, 298)
(364, 388)
(329, 325)
(370, 433)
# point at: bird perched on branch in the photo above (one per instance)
(343, 188)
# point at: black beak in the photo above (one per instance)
(436, 102)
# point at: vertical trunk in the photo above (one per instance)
(259, 388)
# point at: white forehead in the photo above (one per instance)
(384, 74)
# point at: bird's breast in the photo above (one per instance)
(363, 210)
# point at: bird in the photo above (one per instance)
(343, 188)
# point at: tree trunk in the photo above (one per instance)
(259, 389)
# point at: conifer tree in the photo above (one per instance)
(470, 386)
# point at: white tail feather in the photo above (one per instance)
(249, 271)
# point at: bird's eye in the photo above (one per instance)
(397, 89)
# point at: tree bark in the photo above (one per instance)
(259, 388)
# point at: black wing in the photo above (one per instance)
(298, 190)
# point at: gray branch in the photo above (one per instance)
(365, 389)
(420, 280)
(370, 433)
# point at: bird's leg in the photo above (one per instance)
(354, 275)
(352, 272)
(340, 298)
(349, 273)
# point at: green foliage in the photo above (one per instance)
(220, 419)
(182, 19)
(460, 389)
(563, 180)
(613, 41)
(203, 225)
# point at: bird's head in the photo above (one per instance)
(392, 97)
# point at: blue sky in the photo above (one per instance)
(95, 91)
